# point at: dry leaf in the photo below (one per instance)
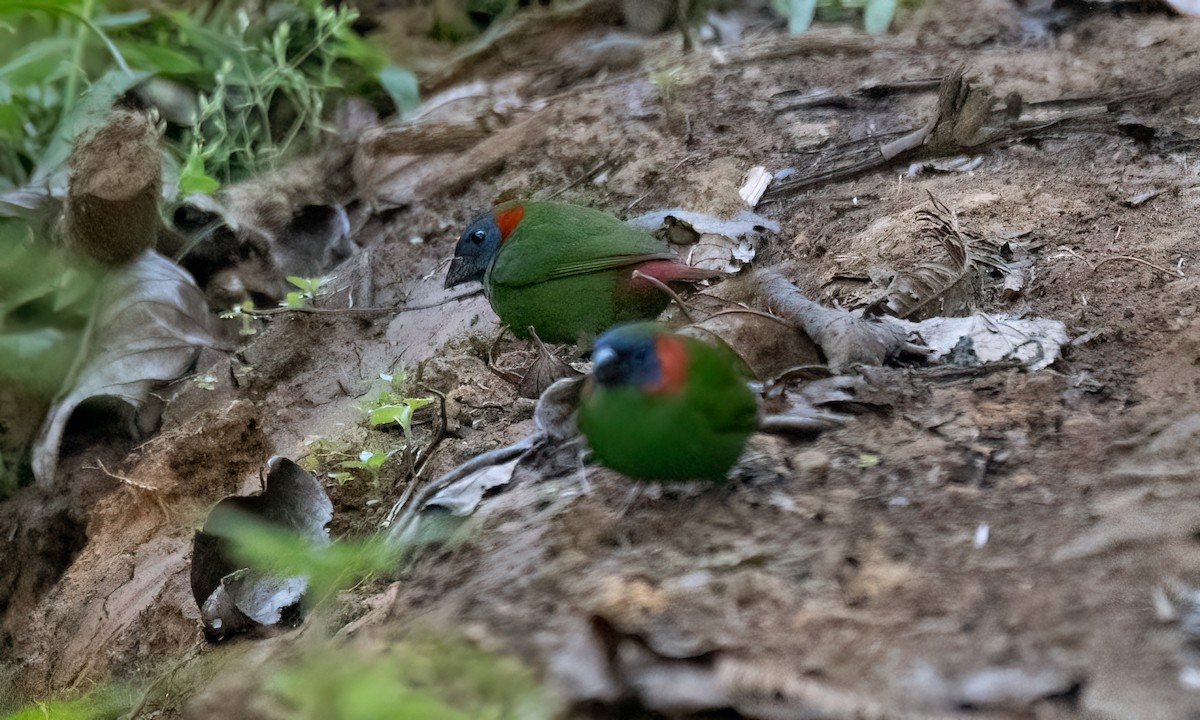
(1034, 342)
(150, 323)
(722, 245)
(950, 283)
(234, 599)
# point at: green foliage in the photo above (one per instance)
(255, 85)
(343, 463)
(368, 461)
(392, 405)
(876, 15)
(103, 703)
(46, 298)
(421, 678)
(304, 296)
(243, 312)
(328, 566)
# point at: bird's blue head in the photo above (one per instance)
(480, 242)
(640, 355)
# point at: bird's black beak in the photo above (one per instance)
(606, 365)
(462, 269)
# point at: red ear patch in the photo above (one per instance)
(507, 220)
(673, 362)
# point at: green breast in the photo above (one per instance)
(697, 434)
(565, 271)
(564, 309)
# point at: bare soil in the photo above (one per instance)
(844, 575)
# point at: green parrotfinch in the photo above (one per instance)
(566, 271)
(662, 406)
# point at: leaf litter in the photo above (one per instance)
(827, 594)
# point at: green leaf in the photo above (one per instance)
(877, 15)
(193, 179)
(327, 566)
(800, 15)
(25, 346)
(401, 414)
(867, 460)
(37, 61)
(309, 285)
(159, 59)
(401, 85)
(122, 20)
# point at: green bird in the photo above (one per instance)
(564, 270)
(661, 406)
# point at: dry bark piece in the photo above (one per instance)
(114, 187)
(234, 599)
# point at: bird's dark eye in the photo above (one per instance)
(479, 236)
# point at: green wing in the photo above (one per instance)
(718, 386)
(556, 240)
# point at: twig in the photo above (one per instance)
(667, 289)
(1076, 255)
(423, 456)
(191, 655)
(1131, 258)
(149, 489)
(749, 311)
(574, 183)
(504, 375)
(348, 311)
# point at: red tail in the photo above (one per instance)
(670, 271)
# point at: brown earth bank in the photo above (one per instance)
(989, 544)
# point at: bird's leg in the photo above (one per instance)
(667, 289)
(683, 12)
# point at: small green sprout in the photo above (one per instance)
(205, 382)
(867, 460)
(368, 461)
(307, 292)
(243, 312)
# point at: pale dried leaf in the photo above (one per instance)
(722, 245)
(1185, 7)
(150, 324)
(1034, 342)
(464, 496)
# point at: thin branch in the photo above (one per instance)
(1130, 258)
(667, 289)
(352, 311)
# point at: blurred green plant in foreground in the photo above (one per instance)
(876, 15)
(237, 90)
(423, 677)
(110, 702)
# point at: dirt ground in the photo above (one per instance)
(999, 544)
